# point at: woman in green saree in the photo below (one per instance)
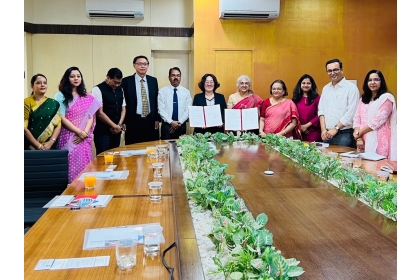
(42, 121)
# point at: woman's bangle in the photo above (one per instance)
(40, 146)
(359, 139)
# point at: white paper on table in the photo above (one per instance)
(233, 119)
(250, 119)
(133, 152)
(59, 201)
(109, 175)
(106, 237)
(196, 116)
(56, 264)
(212, 115)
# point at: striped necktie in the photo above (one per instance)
(144, 101)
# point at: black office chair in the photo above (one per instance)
(46, 175)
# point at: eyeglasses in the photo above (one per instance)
(209, 82)
(336, 70)
(244, 83)
(142, 63)
(176, 75)
(374, 80)
(276, 89)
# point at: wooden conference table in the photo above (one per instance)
(332, 234)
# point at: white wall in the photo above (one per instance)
(157, 13)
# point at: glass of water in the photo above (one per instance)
(152, 235)
(126, 253)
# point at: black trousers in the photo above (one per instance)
(165, 134)
(140, 129)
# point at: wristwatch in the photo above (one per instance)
(336, 127)
(52, 139)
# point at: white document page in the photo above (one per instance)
(250, 119)
(212, 115)
(196, 116)
(233, 119)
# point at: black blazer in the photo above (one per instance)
(200, 100)
(129, 86)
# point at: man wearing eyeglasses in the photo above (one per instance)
(107, 133)
(173, 102)
(141, 92)
(337, 107)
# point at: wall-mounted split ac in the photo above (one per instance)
(249, 9)
(120, 9)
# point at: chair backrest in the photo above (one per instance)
(46, 173)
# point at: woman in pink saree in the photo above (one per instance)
(77, 108)
(244, 98)
(279, 115)
(375, 122)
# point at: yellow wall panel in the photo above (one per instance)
(302, 39)
(53, 54)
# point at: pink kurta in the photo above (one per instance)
(309, 113)
(379, 115)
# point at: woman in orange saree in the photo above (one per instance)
(279, 115)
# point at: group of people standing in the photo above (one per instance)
(135, 104)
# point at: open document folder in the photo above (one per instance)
(241, 119)
(205, 116)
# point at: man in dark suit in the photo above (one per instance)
(141, 94)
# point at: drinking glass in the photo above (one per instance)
(109, 157)
(90, 180)
(126, 253)
(357, 162)
(155, 191)
(151, 152)
(157, 169)
(152, 235)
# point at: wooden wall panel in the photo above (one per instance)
(307, 34)
(230, 64)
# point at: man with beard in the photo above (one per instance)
(173, 102)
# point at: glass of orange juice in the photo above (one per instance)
(90, 180)
(151, 152)
(109, 157)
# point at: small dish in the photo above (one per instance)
(268, 172)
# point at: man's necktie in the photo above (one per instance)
(175, 110)
(144, 101)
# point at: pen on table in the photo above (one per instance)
(78, 207)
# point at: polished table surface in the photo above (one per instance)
(60, 232)
(334, 235)
(331, 233)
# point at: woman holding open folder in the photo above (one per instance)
(244, 98)
(279, 115)
(209, 97)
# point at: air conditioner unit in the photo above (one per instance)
(249, 9)
(126, 9)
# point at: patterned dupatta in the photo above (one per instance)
(371, 142)
(78, 113)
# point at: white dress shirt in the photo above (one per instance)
(139, 110)
(338, 104)
(166, 101)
